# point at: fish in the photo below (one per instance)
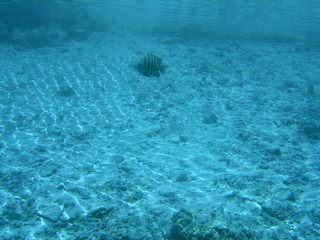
(151, 66)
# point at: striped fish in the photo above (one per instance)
(150, 66)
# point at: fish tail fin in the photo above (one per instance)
(163, 68)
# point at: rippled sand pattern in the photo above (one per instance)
(90, 148)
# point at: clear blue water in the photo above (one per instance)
(224, 145)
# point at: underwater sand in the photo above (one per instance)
(228, 137)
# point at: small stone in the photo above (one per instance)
(183, 139)
(51, 212)
(182, 177)
(84, 192)
(71, 206)
(210, 119)
(117, 158)
(275, 152)
(312, 131)
(100, 212)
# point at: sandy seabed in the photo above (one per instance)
(224, 145)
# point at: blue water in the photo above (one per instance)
(222, 146)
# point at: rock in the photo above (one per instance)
(277, 209)
(210, 119)
(71, 207)
(312, 131)
(51, 212)
(182, 177)
(100, 212)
